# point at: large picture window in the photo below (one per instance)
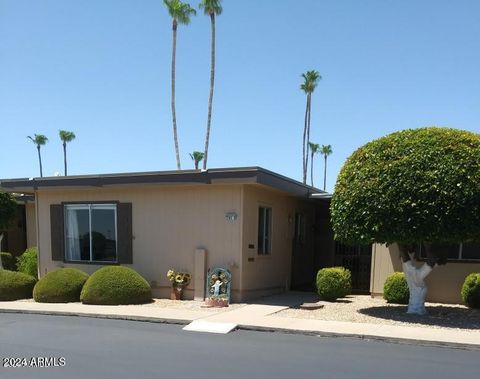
(90, 232)
(264, 230)
(457, 252)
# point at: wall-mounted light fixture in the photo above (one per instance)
(231, 216)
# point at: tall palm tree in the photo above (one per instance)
(39, 140)
(180, 13)
(310, 81)
(326, 150)
(66, 137)
(211, 8)
(314, 149)
(197, 157)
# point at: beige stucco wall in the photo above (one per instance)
(169, 223)
(31, 224)
(266, 274)
(444, 282)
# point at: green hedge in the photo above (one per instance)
(395, 289)
(115, 285)
(8, 261)
(27, 262)
(15, 285)
(333, 283)
(471, 290)
(60, 286)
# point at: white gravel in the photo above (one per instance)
(365, 309)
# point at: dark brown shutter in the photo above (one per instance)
(57, 233)
(124, 232)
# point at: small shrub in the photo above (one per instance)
(60, 286)
(115, 285)
(334, 282)
(15, 285)
(471, 290)
(8, 261)
(27, 262)
(395, 289)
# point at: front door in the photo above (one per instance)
(358, 259)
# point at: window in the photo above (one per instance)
(90, 232)
(463, 251)
(299, 228)
(264, 230)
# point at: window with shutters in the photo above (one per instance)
(90, 232)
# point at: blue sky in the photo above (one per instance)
(102, 70)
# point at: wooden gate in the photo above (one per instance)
(358, 259)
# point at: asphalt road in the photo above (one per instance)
(99, 348)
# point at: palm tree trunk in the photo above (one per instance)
(212, 83)
(325, 174)
(65, 157)
(174, 116)
(309, 105)
(196, 164)
(311, 169)
(40, 161)
(304, 145)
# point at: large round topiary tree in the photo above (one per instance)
(410, 187)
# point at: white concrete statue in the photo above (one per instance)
(216, 287)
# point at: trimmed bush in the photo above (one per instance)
(395, 289)
(60, 286)
(27, 262)
(334, 282)
(471, 290)
(15, 285)
(8, 261)
(115, 285)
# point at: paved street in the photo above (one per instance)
(99, 348)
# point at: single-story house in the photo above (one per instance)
(270, 231)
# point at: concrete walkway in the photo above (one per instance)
(259, 317)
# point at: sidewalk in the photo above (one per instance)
(258, 317)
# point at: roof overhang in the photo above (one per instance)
(243, 175)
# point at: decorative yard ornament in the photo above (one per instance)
(416, 187)
(218, 287)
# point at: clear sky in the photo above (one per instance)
(101, 68)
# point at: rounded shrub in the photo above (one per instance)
(334, 282)
(60, 286)
(410, 186)
(15, 285)
(115, 285)
(471, 290)
(395, 289)
(8, 261)
(27, 262)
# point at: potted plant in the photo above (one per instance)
(180, 280)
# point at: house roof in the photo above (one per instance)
(241, 175)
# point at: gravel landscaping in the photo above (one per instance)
(365, 309)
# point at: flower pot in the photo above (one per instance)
(177, 292)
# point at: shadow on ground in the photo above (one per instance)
(438, 315)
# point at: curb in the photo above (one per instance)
(397, 340)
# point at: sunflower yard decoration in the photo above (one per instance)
(179, 280)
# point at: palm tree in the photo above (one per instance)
(39, 140)
(66, 137)
(180, 13)
(326, 150)
(197, 157)
(314, 149)
(310, 81)
(211, 8)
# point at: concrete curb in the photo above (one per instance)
(405, 341)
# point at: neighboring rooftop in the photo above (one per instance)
(246, 175)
